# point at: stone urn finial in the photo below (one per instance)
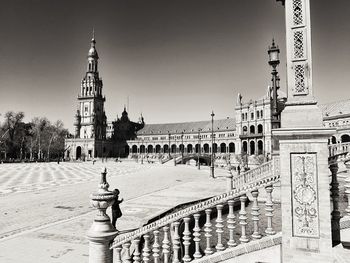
(102, 199)
(101, 232)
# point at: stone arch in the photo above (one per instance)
(134, 149)
(260, 147)
(166, 148)
(245, 147)
(215, 147)
(78, 153)
(206, 148)
(181, 148)
(231, 147)
(150, 148)
(158, 148)
(260, 128)
(189, 148)
(142, 149)
(252, 147)
(334, 140)
(223, 147)
(173, 148)
(197, 148)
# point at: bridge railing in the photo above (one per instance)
(271, 167)
(161, 240)
(339, 148)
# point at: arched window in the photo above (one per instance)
(166, 148)
(173, 148)
(134, 149)
(260, 128)
(150, 149)
(252, 129)
(157, 148)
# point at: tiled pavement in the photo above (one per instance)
(64, 240)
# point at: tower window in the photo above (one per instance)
(86, 108)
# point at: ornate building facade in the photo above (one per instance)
(247, 135)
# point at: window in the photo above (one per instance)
(242, 116)
(86, 108)
(252, 116)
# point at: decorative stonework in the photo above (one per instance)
(299, 51)
(305, 195)
(298, 17)
(300, 82)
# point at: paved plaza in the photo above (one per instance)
(45, 210)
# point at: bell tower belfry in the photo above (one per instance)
(91, 121)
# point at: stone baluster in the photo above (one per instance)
(176, 242)
(196, 235)
(255, 215)
(187, 240)
(137, 254)
(166, 244)
(118, 254)
(219, 228)
(146, 251)
(347, 189)
(126, 248)
(335, 198)
(243, 219)
(231, 223)
(156, 246)
(101, 232)
(269, 210)
(207, 230)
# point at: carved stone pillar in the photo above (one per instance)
(101, 232)
(303, 148)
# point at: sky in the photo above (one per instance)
(175, 60)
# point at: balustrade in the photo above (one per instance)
(207, 230)
(269, 210)
(167, 250)
(255, 215)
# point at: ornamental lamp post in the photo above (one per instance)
(212, 146)
(183, 147)
(169, 145)
(141, 149)
(175, 149)
(199, 148)
(274, 61)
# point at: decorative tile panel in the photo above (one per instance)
(305, 195)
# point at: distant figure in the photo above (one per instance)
(116, 212)
(93, 161)
(239, 169)
(58, 161)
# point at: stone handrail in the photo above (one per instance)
(270, 167)
(339, 148)
(195, 210)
